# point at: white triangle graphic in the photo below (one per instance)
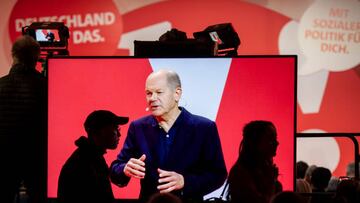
(203, 81)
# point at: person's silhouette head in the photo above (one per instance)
(288, 196)
(348, 191)
(102, 128)
(350, 169)
(259, 140)
(25, 50)
(308, 173)
(253, 178)
(164, 198)
(301, 168)
(320, 178)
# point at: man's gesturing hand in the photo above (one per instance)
(169, 181)
(135, 167)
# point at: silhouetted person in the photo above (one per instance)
(164, 198)
(288, 197)
(50, 36)
(301, 168)
(350, 169)
(333, 183)
(348, 191)
(85, 175)
(309, 172)
(253, 177)
(302, 186)
(23, 124)
(320, 178)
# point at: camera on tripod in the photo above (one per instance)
(52, 36)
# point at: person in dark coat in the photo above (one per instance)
(23, 107)
(85, 175)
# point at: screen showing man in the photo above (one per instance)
(229, 91)
(46, 35)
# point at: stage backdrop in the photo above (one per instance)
(230, 91)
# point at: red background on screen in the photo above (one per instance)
(257, 88)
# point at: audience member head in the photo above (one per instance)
(288, 196)
(333, 183)
(259, 141)
(164, 198)
(302, 186)
(320, 178)
(350, 169)
(25, 50)
(301, 167)
(348, 191)
(102, 128)
(308, 173)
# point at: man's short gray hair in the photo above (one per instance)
(173, 79)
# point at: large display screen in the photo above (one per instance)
(229, 91)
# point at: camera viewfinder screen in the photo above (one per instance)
(230, 91)
(47, 35)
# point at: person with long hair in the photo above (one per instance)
(253, 177)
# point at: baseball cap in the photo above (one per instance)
(101, 118)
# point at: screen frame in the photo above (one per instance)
(295, 57)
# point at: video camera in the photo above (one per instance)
(225, 37)
(215, 40)
(52, 36)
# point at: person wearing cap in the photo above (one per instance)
(85, 175)
(170, 150)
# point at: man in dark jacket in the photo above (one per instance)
(23, 124)
(85, 175)
(170, 150)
